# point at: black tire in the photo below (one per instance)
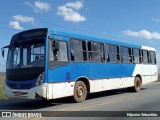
(137, 85)
(80, 91)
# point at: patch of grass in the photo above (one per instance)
(2, 82)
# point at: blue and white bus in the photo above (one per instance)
(54, 64)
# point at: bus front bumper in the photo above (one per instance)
(26, 93)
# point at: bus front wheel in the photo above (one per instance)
(80, 91)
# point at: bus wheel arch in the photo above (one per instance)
(86, 81)
(81, 88)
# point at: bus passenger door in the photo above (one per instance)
(58, 67)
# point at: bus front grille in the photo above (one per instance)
(20, 86)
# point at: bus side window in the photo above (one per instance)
(136, 56)
(153, 58)
(140, 57)
(126, 55)
(58, 51)
(89, 52)
(130, 55)
(146, 57)
(102, 54)
(78, 50)
(107, 52)
(114, 54)
(96, 52)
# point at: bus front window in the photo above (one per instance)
(13, 58)
(16, 57)
(26, 55)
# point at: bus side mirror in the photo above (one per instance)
(3, 53)
(4, 49)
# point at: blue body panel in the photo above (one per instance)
(114, 70)
(78, 70)
(97, 70)
(93, 70)
(59, 74)
(127, 70)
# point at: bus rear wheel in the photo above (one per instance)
(137, 84)
(80, 91)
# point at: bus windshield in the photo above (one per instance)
(26, 54)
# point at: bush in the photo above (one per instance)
(2, 82)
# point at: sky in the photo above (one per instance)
(132, 21)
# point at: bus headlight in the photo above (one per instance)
(40, 79)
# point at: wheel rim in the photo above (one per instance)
(80, 91)
(138, 84)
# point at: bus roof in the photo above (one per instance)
(91, 38)
(87, 37)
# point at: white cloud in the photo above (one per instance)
(77, 5)
(143, 34)
(29, 4)
(21, 18)
(44, 6)
(15, 25)
(39, 6)
(69, 14)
